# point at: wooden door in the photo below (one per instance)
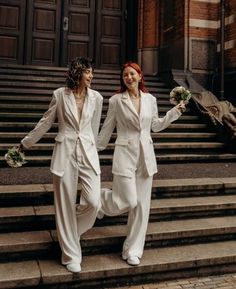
(52, 32)
(78, 29)
(43, 32)
(110, 33)
(94, 29)
(12, 28)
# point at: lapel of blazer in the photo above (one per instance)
(88, 107)
(126, 100)
(142, 105)
(71, 104)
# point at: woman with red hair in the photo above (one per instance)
(133, 112)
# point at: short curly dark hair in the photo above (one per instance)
(77, 66)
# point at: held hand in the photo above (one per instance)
(181, 106)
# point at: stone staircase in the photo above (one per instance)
(192, 231)
(25, 93)
(192, 225)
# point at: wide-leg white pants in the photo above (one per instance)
(131, 195)
(72, 220)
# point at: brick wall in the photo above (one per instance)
(185, 34)
(230, 34)
(230, 50)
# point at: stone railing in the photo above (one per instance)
(219, 114)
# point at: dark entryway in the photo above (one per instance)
(53, 32)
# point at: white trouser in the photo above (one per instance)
(72, 220)
(131, 195)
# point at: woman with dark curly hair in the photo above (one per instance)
(78, 110)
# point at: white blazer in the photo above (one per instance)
(63, 107)
(133, 130)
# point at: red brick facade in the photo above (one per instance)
(230, 34)
(185, 34)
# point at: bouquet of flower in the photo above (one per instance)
(15, 158)
(179, 94)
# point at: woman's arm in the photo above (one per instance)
(42, 126)
(108, 127)
(97, 116)
(160, 123)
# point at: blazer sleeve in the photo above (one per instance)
(97, 116)
(42, 126)
(158, 123)
(108, 127)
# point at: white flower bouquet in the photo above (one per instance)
(15, 158)
(179, 94)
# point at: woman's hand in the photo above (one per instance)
(181, 106)
(20, 147)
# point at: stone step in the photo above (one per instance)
(99, 240)
(35, 194)
(106, 91)
(11, 72)
(28, 99)
(43, 217)
(58, 71)
(36, 113)
(60, 76)
(32, 93)
(46, 70)
(27, 107)
(171, 148)
(111, 146)
(110, 270)
(28, 80)
(14, 126)
(25, 116)
(161, 158)
(177, 128)
(181, 145)
(31, 100)
(38, 106)
(97, 85)
(159, 137)
(42, 98)
(174, 127)
(106, 159)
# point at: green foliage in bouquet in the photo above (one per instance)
(15, 158)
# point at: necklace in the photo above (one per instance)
(135, 99)
(79, 99)
(134, 96)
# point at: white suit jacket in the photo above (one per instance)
(63, 107)
(133, 130)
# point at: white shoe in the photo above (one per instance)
(133, 260)
(73, 267)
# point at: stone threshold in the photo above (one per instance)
(100, 268)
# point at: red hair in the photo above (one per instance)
(136, 67)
